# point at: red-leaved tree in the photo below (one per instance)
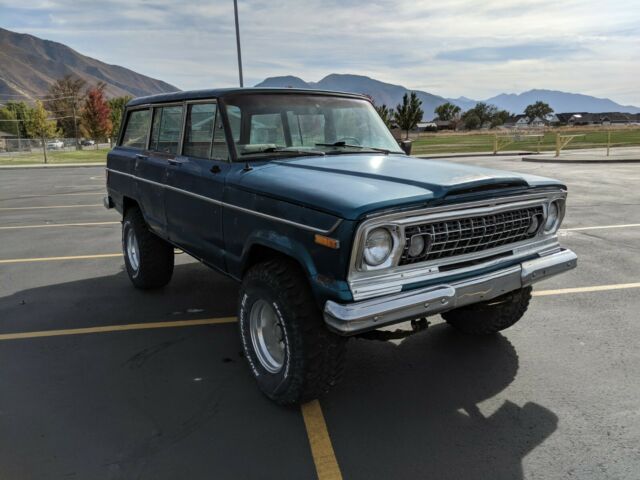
(96, 121)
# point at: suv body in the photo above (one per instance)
(305, 198)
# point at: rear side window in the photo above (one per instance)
(165, 131)
(199, 130)
(137, 129)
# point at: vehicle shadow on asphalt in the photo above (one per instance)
(194, 292)
(411, 410)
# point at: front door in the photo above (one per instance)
(195, 184)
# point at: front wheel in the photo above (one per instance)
(292, 355)
(148, 258)
(490, 317)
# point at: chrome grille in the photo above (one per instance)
(449, 238)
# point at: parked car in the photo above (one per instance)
(305, 198)
(87, 142)
(55, 145)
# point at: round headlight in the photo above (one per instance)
(377, 247)
(416, 246)
(552, 217)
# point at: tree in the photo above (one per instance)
(538, 109)
(385, 114)
(500, 117)
(483, 114)
(96, 114)
(39, 126)
(18, 111)
(9, 122)
(408, 113)
(117, 105)
(65, 99)
(447, 112)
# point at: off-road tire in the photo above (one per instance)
(313, 356)
(490, 317)
(155, 255)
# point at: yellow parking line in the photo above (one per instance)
(55, 259)
(51, 206)
(596, 288)
(62, 194)
(49, 225)
(324, 457)
(117, 328)
(602, 227)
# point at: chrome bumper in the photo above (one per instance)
(352, 318)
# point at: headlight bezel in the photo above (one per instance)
(368, 256)
(396, 247)
(559, 204)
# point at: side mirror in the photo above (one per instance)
(405, 145)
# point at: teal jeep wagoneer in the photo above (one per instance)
(305, 198)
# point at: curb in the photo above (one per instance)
(51, 165)
(582, 161)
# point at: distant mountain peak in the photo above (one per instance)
(31, 64)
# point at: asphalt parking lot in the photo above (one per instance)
(102, 381)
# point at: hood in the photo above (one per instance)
(350, 186)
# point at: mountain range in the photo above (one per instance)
(391, 95)
(29, 65)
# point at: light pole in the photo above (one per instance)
(235, 9)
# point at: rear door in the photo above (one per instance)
(195, 184)
(152, 166)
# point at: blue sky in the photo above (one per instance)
(451, 48)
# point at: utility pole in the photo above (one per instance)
(75, 124)
(235, 9)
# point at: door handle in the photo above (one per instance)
(139, 156)
(176, 161)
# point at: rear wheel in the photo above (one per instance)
(492, 316)
(148, 258)
(292, 355)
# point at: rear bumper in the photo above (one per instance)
(357, 317)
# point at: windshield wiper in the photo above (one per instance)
(284, 150)
(348, 145)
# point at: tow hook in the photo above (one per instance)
(417, 325)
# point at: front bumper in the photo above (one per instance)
(357, 317)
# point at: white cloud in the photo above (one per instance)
(582, 46)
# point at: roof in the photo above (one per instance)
(222, 92)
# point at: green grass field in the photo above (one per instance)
(484, 142)
(73, 156)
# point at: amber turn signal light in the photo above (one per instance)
(327, 242)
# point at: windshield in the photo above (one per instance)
(285, 124)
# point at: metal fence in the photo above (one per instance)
(14, 150)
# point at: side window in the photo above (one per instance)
(165, 131)
(267, 128)
(199, 130)
(137, 129)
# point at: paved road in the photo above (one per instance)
(556, 396)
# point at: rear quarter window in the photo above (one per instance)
(136, 130)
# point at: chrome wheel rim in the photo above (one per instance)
(267, 336)
(133, 252)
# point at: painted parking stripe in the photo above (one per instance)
(59, 259)
(117, 328)
(62, 194)
(50, 207)
(595, 288)
(322, 451)
(602, 227)
(60, 225)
